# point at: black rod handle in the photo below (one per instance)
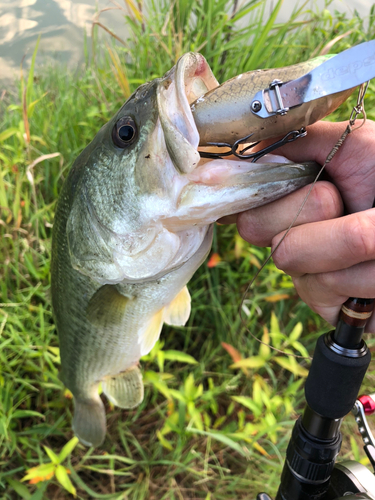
(339, 364)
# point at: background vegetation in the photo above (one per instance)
(219, 406)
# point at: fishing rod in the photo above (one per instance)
(338, 367)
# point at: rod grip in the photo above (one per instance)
(335, 377)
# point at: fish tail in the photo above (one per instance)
(89, 421)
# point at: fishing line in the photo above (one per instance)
(357, 110)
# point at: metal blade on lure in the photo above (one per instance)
(344, 71)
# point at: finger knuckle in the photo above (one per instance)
(251, 230)
(329, 202)
(359, 232)
(325, 281)
(306, 292)
(313, 290)
(284, 255)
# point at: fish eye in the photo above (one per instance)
(124, 132)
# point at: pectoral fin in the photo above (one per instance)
(106, 307)
(150, 333)
(178, 311)
(125, 389)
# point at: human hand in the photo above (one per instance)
(329, 257)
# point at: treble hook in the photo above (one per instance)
(289, 137)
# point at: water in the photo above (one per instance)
(348, 6)
(62, 24)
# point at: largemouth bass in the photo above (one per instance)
(133, 222)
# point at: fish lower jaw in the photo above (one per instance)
(224, 187)
(225, 171)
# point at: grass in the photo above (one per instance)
(209, 427)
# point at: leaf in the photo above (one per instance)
(275, 324)
(189, 387)
(254, 261)
(296, 333)
(63, 479)
(170, 424)
(264, 350)
(68, 394)
(67, 449)
(27, 413)
(220, 437)
(214, 260)
(257, 392)
(39, 473)
(253, 362)
(39, 493)
(179, 356)
(134, 10)
(163, 389)
(277, 297)
(177, 395)
(156, 379)
(31, 106)
(119, 72)
(5, 134)
(196, 416)
(160, 359)
(151, 376)
(261, 40)
(291, 365)
(52, 455)
(260, 448)
(299, 347)
(30, 79)
(232, 351)
(19, 488)
(293, 388)
(248, 403)
(355, 448)
(239, 245)
(164, 441)
(54, 350)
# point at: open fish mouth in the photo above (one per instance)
(186, 82)
(179, 92)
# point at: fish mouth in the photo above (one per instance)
(188, 82)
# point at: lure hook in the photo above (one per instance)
(289, 137)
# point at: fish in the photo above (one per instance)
(133, 222)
